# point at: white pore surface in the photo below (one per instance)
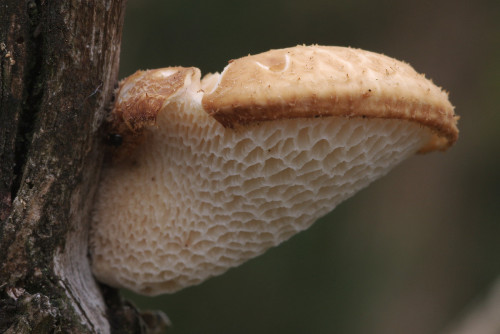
(203, 198)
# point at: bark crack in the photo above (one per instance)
(32, 96)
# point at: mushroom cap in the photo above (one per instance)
(314, 81)
(213, 172)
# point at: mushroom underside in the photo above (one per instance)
(198, 198)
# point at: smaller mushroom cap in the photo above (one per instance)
(213, 172)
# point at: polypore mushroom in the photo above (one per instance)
(214, 172)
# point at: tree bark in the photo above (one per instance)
(58, 69)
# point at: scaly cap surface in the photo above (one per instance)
(315, 81)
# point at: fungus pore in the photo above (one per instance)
(213, 172)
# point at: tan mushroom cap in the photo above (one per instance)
(312, 81)
(214, 172)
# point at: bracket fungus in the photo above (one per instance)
(213, 172)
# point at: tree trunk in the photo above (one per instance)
(58, 69)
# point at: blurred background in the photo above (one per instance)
(410, 253)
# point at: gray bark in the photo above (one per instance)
(58, 69)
